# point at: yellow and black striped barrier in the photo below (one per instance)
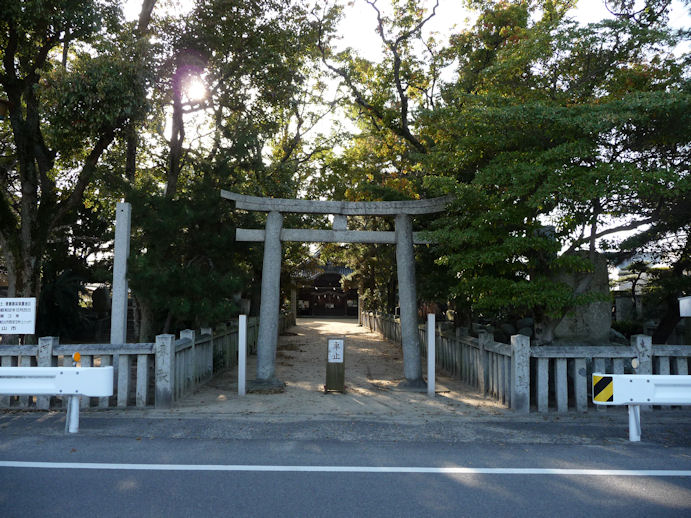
(635, 390)
(603, 389)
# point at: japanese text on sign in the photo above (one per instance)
(18, 316)
(335, 351)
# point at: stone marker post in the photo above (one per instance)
(520, 373)
(164, 350)
(45, 358)
(118, 307)
(643, 345)
(118, 316)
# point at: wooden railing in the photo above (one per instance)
(145, 374)
(551, 377)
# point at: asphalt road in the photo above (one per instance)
(137, 466)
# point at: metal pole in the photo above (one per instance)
(634, 423)
(242, 354)
(72, 423)
(431, 354)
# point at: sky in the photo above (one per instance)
(358, 25)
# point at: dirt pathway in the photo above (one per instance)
(373, 368)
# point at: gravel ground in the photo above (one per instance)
(373, 368)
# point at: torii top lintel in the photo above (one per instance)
(346, 208)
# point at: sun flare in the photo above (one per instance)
(194, 89)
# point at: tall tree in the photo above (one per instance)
(252, 65)
(583, 128)
(71, 86)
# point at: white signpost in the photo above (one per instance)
(335, 350)
(18, 316)
(242, 354)
(335, 364)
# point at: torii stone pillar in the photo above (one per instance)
(270, 304)
(407, 299)
(404, 238)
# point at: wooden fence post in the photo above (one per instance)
(520, 373)
(193, 371)
(165, 364)
(124, 363)
(44, 358)
(483, 338)
(643, 347)
(210, 349)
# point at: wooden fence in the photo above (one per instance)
(552, 377)
(145, 374)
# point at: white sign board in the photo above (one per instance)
(335, 350)
(685, 306)
(18, 316)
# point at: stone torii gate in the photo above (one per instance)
(274, 233)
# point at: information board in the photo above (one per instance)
(18, 316)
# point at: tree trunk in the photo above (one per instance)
(168, 323)
(177, 137)
(146, 321)
(668, 322)
(140, 32)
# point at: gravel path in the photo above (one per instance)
(373, 368)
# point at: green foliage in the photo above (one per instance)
(254, 59)
(59, 311)
(551, 137)
(95, 95)
(187, 262)
(576, 127)
(64, 111)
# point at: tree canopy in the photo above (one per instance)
(554, 138)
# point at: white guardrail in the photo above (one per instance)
(72, 382)
(635, 390)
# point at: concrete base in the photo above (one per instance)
(418, 385)
(270, 386)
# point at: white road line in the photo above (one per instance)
(351, 469)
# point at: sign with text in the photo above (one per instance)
(18, 316)
(335, 351)
(335, 364)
